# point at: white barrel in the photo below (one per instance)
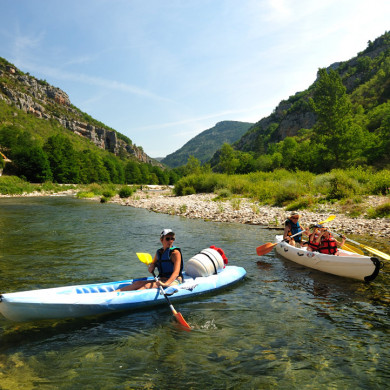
(207, 262)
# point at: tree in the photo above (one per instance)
(341, 138)
(33, 164)
(228, 163)
(288, 149)
(62, 158)
(92, 169)
(246, 162)
(162, 176)
(145, 174)
(114, 169)
(132, 173)
(192, 166)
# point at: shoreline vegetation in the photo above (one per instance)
(224, 207)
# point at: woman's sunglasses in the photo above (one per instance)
(170, 238)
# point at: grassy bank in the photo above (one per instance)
(348, 189)
(12, 185)
(298, 190)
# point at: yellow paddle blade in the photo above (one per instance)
(353, 249)
(330, 218)
(377, 252)
(146, 258)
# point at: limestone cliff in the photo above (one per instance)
(46, 102)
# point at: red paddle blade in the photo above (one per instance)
(264, 249)
(181, 320)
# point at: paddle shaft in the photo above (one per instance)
(266, 248)
(177, 315)
(369, 249)
(165, 295)
(146, 258)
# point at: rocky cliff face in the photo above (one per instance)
(288, 123)
(47, 102)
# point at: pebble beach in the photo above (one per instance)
(160, 199)
(247, 211)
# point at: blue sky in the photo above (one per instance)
(162, 71)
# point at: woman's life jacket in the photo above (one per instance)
(328, 246)
(295, 228)
(164, 263)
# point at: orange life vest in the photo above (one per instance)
(328, 246)
(312, 244)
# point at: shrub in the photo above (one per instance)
(108, 194)
(204, 183)
(286, 191)
(223, 193)
(188, 191)
(337, 185)
(236, 202)
(183, 208)
(126, 192)
(85, 194)
(13, 185)
(381, 211)
(95, 188)
(380, 183)
(301, 203)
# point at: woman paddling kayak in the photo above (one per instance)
(169, 262)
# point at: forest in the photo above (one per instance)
(58, 161)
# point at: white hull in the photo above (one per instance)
(346, 264)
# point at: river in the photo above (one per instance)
(283, 327)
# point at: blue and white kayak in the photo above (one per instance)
(101, 298)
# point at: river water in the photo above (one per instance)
(283, 327)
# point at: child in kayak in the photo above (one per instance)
(169, 262)
(311, 245)
(327, 243)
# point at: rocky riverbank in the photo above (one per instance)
(241, 210)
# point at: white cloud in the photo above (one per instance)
(95, 81)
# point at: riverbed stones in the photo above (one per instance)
(242, 210)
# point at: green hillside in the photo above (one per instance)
(48, 139)
(342, 120)
(205, 144)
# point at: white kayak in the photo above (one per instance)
(101, 298)
(345, 264)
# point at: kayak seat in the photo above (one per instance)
(100, 289)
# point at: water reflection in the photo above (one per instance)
(285, 326)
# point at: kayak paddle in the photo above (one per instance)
(146, 258)
(264, 249)
(370, 249)
(330, 218)
(351, 248)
